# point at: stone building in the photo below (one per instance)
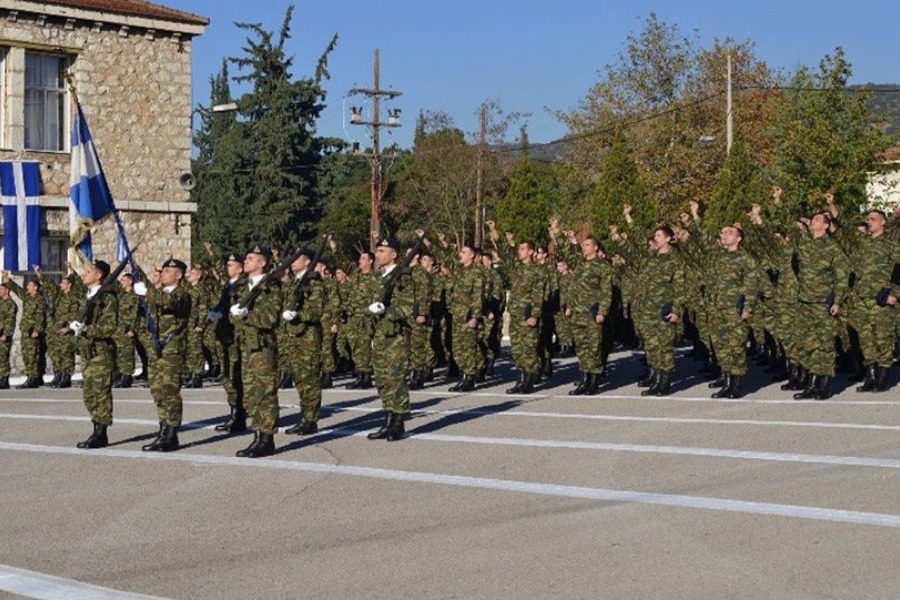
(130, 62)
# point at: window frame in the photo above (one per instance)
(65, 63)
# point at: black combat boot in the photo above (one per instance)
(652, 383)
(720, 382)
(796, 378)
(735, 390)
(226, 425)
(303, 427)
(809, 389)
(869, 384)
(97, 439)
(417, 379)
(452, 369)
(480, 375)
(366, 382)
(882, 376)
(516, 388)
(326, 382)
(429, 374)
(547, 370)
(264, 447)
(593, 383)
(823, 387)
(287, 381)
(664, 384)
(245, 453)
(395, 430)
(55, 381)
(195, 383)
(126, 382)
(4, 383)
(727, 381)
(489, 368)
(582, 386)
(355, 383)
(382, 432)
(30, 384)
(166, 442)
(648, 378)
(117, 379)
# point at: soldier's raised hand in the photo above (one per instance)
(777, 192)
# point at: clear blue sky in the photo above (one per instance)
(530, 54)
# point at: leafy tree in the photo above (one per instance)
(619, 184)
(738, 187)
(530, 200)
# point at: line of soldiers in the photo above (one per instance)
(795, 292)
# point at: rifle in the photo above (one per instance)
(108, 283)
(391, 280)
(274, 274)
(310, 271)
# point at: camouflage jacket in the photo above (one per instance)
(398, 314)
(590, 288)
(823, 270)
(34, 310)
(257, 331)
(171, 309)
(735, 285)
(308, 303)
(874, 261)
(362, 288)
(468, 293)
(8, 311)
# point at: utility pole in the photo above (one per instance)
(378, 185)
(479, 181)
(729, 125)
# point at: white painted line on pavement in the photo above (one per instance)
(544, 489)
(47, 587)
(847, 461)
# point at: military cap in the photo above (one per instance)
(102, 266)
(234, 258)
(175, 263)
(308, 253)
(197, 266)
(390, 243)
(262, 251)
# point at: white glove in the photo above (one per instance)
(376, 308)
(213, 315)
(289, 315)
(76, 326)
(140, 288)
(239, 312)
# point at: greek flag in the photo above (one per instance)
(20, 186)
(91, 199)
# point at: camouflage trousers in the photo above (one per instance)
(5, 351)
(165, 385)
(230, 360)
(875, 326)
(31, 353)
(97, 369)
(259, 378)
(525, 345)
(391, 359)
(467, 351)
(588, 342)
(492, 335)
(360, 330)
(342, 343)
(61, 349)
(124, 354)
(659, 342)
(303, 358)
(195, 358)
(729, 339)
(565, 330)
(421, 354)
(329, 361)
(785, 326)
(815, 346)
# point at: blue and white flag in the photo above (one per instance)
(20, 186)
(91, 199)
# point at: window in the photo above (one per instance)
(3, 52)
(45, 101)
(54, 253)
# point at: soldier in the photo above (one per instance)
(96, 347)
(526, 296)
(66, 305)
(169, 303)
(304, 305)
(421, 354)
(823, 273)
(230, 359)
(255, 326)
(130, 317)
(495, 305)
(32, 327)
(564, 326)
(331, 322)
(588, 306)
(200, 305)
(467, 312)
(8, 311)
(360, 322)
(391, 304)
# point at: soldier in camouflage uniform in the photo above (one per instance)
(564, 326)
(130, 323)
(32, 328)
(96, 347)
(360, 322)
(823, 276)
(169, 302)
(229, 358)
(421, 353)
(526, 296)
(255, 327)
(588, 306)
(65, 306)
(8, 311)
(303, 301)
(466, 305)
(393, 310)
(200, 305)
(494, 306)
(331, 322)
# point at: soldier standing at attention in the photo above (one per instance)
(8, 311)
(495, 305)
(466, 306)
(255, 327)
(170, 306)
(230, 359)
(66, 305)
(129, 317)
(200, 305)
(331, 320)
(421, 353)
(392, 308)
(360, 322)
(96, 348)
(31, 329)
(304, 304)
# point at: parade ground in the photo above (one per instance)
(490, 496)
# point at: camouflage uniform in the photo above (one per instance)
(466, 303)
(61, 346)
(171, 310)
(34, 320)
(229, 357)
(200, 305)
(664, 282)
(733, 289)
(495, 303)
(421, 352)
(8, 311)
(360, 323)
(130, 320)
(526, 297)
(302, 338)
(391, 343)
(96, 347)
(591, 295)
(331, 317)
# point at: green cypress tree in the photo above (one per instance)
(619, 183)
(738, 187)
(531, 198)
